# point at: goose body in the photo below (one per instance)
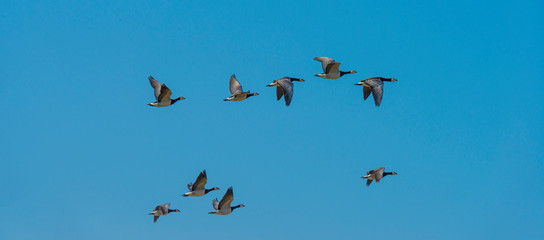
(284, 87)
(223, 207)
(161, 210)
(236, 91)
(198, 188)
(331, 68)
(374, 85)
(376, 174)
(162, 94)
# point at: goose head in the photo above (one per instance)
(173, 210)
(393, 80)
(394, 173)
(175, 100)
(352, 71)
(238, 206)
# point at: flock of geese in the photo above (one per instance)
(198, 189)
(284, 88)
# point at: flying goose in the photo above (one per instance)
(376, 174)
(162, 210)
(330, 68)
(284, 86)
(374, 85)
(236, 90)
(162, 94)
(197, 189)
(223, 207)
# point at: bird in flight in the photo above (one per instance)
(331, 68)
(162, 94)
(374, 85)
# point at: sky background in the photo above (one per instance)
(84, 157)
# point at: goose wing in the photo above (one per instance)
(165, 94)
(215, 204)
(279, 92)
(155, 218)
(235, 87)
(325, 61)
(368, 182)
(287, 87)
(379, 174)
(227, 199)
(200, 181)
(377, 93)
(333, 67)
(156, 86)
(375, 170)
(163, 208)
(366, 91)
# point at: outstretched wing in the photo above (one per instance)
(155, 218)
(368, 182)
(366, 91)
(165, 94)
(163, 209)
(235, 87)
(287, 87)
(215, 204)
(375, 170)
(325, 61)
(333, 67)
(378, 174)
(227, 199)
(156, 86)
(190, 186)
(201, 181)
(279, 92)
(377, 93)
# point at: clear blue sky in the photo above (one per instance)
(84, 157)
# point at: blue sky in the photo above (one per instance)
(84, 157)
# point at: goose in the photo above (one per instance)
(236, 90)
(374, 85)
(330, 68)
(223, 207)
(284, 86)
(162, 209)
(197, 189)
(376, 174)
(162, 94)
